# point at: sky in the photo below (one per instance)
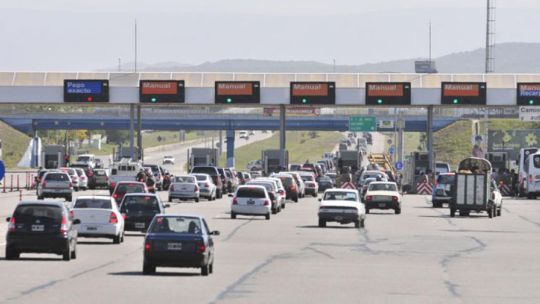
(69, 35)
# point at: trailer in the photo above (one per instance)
(271, 161)
(202, 157)
(53, 156)
(350, 158)
(474, 190)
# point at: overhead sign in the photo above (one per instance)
(529, 113)
(86, 90)
(511, 141)
(303, 93)
(388, 93)
(463, 93)
(234, 92)
(362, 124)
(161, 91)
(528, 94)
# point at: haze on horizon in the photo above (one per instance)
(89, 35)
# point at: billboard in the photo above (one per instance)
(388, 93)
(528, 94)
(161, 91)
(302, 93)
(512, 140)
(463, 93)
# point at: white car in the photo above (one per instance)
(342, 206)
(251, 200)
(83, 179)
(271, 188)
(168, 160)
(207, 187)
(244, 134)
(280, 189)
(100, 218)
(87, 159)
(383, 195)
(184, 187)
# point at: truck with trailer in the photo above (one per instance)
(474, 189)
(202, 157)
(271, 161)
(350, 158)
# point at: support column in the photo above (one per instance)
(400, 140)
(429, 127)
(131, 130)
(230, 148)
(139, 134)
(220, 146)
(282, 135)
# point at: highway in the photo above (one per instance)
(420, 256)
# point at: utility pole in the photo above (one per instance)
(490, 56)
(135, 48)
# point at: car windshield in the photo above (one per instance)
(30, 213)
(176, 224)
(57, 177)
(325, 179)
(83, 203)
(143, 205)
(206, 170)
(79, 171)
(307, 178)
(83, 159)
(254, 192)
(446, 179)
(340, 196)
(184, 179)
(442, 168)
(201, 177)
(382, 187)
(130, 188)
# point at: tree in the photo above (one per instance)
(117, 136)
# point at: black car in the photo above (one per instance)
(138, 210)
(42, 227)
(179, 241)
(325, 182)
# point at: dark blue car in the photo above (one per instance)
(179, 241)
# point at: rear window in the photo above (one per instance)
(446, 179)
(29, 213)
(184, 179)
(201, 177)
(140, 205)
(206, 170)
(93, 203)
(83, 159)
(254, 192)
(79, 171)
(130, 188)
(57, 177)
(181, 225)
(268, 186)
(382, 187)
(287, 181)
(340, 196)
(100, 173)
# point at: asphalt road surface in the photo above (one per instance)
(420, 256)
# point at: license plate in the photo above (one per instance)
(91, 228)
(139, 225)
(382, 205)
(251, 202)
(174, 246)
(38, 228)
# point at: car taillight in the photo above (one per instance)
(281, 192)
(202, 248)
(266, 202)
(115, 196)
(147, 247)
(113, 219)
(71, 214)
(63, 226)
(113, 184)
(44, 184)
(196, 188)
(235, 201)
(123, 215)
(394, 199)
(292, 187)
(369, 198)
(11, 225)
(206, 185)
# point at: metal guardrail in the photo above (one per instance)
(269, 80)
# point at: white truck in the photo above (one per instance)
(124, 170)
(202, 157)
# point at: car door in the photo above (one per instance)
(210, 239)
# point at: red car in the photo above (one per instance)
(122, 188)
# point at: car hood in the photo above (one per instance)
(339, 204)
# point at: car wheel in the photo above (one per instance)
(40, 197)
(362, 223)
(11, 254)
(219, 195)
(233, 215)
(397, 211)
(267, 216)
(148, 269)
(314, 194)
(66, 256)
(117, 239)
(282, 206)
(211, 268)
(490, 212)
(274, 211)
(196, 200)
(367, 210)
(295, 199)
(169, 200)
(499, 211)
(357, 224)
(204, 270)
(69, 198)
(322, 223)
(452, 212)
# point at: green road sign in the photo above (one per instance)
(362, 124)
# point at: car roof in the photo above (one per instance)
(251, 186)
(341, 190)
(130, 182)
(381, 182)
(141, 194)
(44, 203)
(447, 173)
(180, 214)
(105, 197)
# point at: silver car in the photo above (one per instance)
(206, 186)
(83, 179)
(184, 188)
(54, 185)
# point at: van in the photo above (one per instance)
(520, 162)
(532, 180)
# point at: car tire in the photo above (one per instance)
(452, 212)
(40, 197)
(267, 216)
(148, 269)
(397, 211)
(69, 198)
(322, 223)
(357, 224)
(367, 210)
(11, 254)
(196, 200)
(274, 211)
(219, 195)
(205, 270)
(499, 211)
(490, 212)
(296, 199)
(117, 239)
(363, 223)
(66, 256)
(211, 268)
(233, 216)
(282, 206)
(314, 194)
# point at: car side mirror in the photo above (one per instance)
(230, 195)
(8, 219)
(215, 232)
(76, 221)
(320, 199)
